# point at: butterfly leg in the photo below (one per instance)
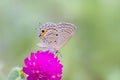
(58, 53)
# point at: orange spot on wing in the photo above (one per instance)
(43, 33)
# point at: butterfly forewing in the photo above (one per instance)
(66, 31)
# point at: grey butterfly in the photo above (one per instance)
(55, 36)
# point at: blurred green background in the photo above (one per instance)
(92, 54)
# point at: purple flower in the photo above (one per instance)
(43, 66)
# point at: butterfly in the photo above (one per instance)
(55, 36)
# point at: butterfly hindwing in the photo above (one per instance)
(50, 38)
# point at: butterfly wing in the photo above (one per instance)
(50, 39)
(66, 31)
(57, 35)
(41, 45)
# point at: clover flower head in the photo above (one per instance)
(43, 65)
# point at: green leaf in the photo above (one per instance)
(16, 74)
